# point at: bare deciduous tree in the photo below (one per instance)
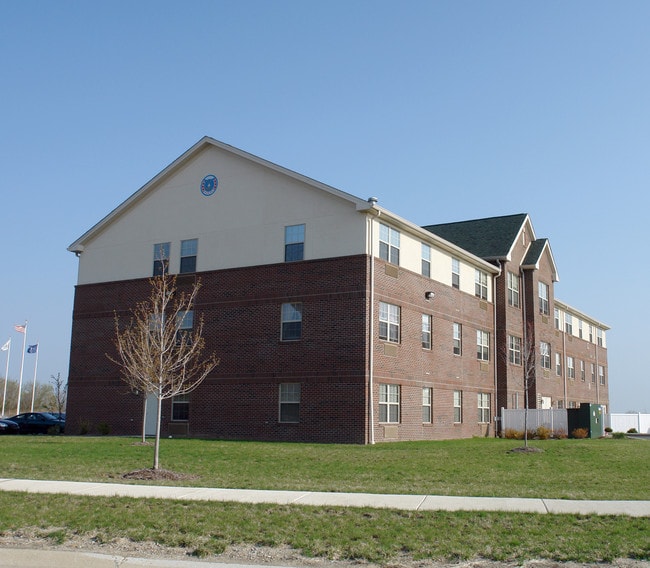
(159, 352)
(60, 392)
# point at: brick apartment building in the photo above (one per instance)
(335, 320)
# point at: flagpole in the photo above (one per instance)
(4, 394)
(22, 364)
(34, 383)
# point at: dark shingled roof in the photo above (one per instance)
(490, 238)
(534, 252)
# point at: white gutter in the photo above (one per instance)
(371, 328)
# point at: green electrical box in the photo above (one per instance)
(588, 416)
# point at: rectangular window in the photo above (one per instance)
(294, 243)
(458, 406)
(184, 326)
(484, 407)
(289, 402)
(601, 374)
(458, 339)
(591, 334)
(593, 373)
(189, 250)
(556, 318)
(426, 405)
(389, 244)
(455, 273)
(543, 298)
(181, 407)
(514, 349)
(389, 403)
(515, 400)
(389, 322)
(570, 368)
(426, 260)
(426, 331)
(545, 355)
(558, 364)
(582, 371)
(161, 258)
(482, 345)
(513, 290)
(480, 284)
(580, 328)
(291, 321)
(599, 335)
(568, 323)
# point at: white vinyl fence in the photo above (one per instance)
(624, 422)
(552, 418)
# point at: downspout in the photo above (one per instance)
(494, 326)
(527, 351)
(597, 371)
(371, 328)
(565, 362)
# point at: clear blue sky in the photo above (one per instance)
(444, 110)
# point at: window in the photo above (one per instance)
(290, 402)
(601, 374)
(591, 334)
(514, 349)
(513, 290)
(480, 284)
(184, 326)
(483, 407)
(570, 368)
(188, 255)
(599, 335)
(482, 345)
(389, 320)
(582, 371)
(515, 400)
(543, 298)
(556, 317)
(291, 322)
(294, 243)
(580, 328)
(458, 406)
(426, 405)
(593, 373)
(455, 273)
(161, 258)
(558, 364)
(388, 244)
(458, 339)
(426, 331)
(181, 407)
(545, 355)
(426, 260)
(568, 323)
(389, 403)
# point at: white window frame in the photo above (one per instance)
(389, 244)
(189, 252)
(543, 294)
(545, 355)
(570, 367)
(161, 253)
(457, 331)
(426, 260)
(601, 374)
(290, 316)
(181, 403)
(427, 405)
(455, 273)
(568, 324)
(481, 284)
(289, 403)
(514, 349)
(483, 404)
(426, 331)
(389, 322)
(513, 290)
(294, 243)
(389, 403)
(458, 407)
(482, 345)
(558, 363)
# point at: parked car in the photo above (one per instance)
(9, 426)
(60, 415)
(38, 423)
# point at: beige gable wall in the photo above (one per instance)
(242, 224)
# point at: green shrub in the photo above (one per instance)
(608, 429)
(104, 428)
(632, 431)
(84, 427)
(618, 435)
(580, 433)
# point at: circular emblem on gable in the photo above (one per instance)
(209, 185)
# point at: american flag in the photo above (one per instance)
(20, 328)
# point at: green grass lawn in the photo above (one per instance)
(575, 469)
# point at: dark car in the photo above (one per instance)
(9, 426)
(38, 423)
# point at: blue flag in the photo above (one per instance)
(32, 348)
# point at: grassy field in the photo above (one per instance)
(575, 469)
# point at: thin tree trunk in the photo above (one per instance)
(144, 419)
(156, 452)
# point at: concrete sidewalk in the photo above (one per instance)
(404, 502)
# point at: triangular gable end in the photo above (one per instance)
(78, 245)
(537, 250)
